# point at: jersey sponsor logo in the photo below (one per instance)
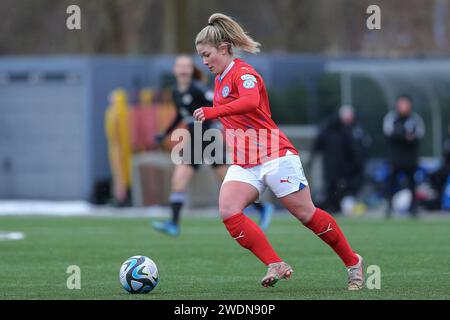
(249, 84)
(248, 77)
(225, 91)
(187, 99)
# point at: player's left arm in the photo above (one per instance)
(248, 101)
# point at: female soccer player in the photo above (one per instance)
(188, 94)
(241, 103)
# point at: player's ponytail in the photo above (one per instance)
(223, 29)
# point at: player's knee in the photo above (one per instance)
(304, 212)
(228, 209)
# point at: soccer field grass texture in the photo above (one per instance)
(205, 263)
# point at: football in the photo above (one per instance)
(139, 274)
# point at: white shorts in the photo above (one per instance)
(283, 175)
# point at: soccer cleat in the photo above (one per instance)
(167, 227)
(356, 275)
(275, 272)
(266, 216)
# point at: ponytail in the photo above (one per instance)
(223, 29)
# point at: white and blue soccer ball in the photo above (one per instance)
(139, 274)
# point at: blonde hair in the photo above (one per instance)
(223, 29)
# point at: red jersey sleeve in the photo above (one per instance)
(248, 101)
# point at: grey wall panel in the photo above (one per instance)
(41, 136)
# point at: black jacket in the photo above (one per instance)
(403, 135)
(196, 96)
(344, 148)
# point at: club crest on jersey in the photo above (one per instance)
(249, 84)
(225, 91)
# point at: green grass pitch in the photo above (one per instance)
(205, 263)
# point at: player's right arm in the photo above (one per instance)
(176, 121)
(174, 124)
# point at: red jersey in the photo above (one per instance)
(242, 104)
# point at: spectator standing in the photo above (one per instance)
(344, 144)
(403, 129)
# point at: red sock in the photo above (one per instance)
(327, 229)
(250, 236)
